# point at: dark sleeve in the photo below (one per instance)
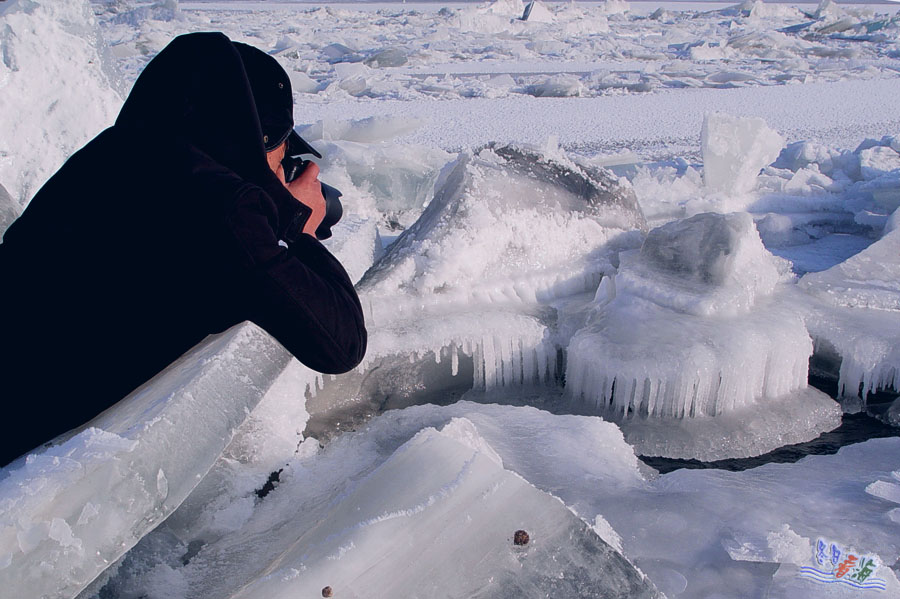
(300, 294)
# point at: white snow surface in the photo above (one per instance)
(57, 89)
(495, 271)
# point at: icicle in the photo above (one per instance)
(503, 373)
(454, 360)
(490, 363)
(478, 360)
(528, 366)
(516, 351)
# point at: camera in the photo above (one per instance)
(293, 165)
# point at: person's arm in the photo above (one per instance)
(301, 294)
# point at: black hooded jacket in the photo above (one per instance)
(162, 230)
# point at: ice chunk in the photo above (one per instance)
(303, 83)
(557, 86)
(892, 414)
(512, 8)
(706, 264)
(870, 279)
(537, 12)
(889, 491)
(505, 225)
(744, 432)
(385, 184)
(688, 328)
(355, 243)
(734, 150)
(56, 83)
(864, 342)
(387, 57)
(79, 505)
(474, 507)
(9, 210)
(433, 356)
(878, 161)
(782, 546)
(363, 516)
(367, 130)
(613, 7)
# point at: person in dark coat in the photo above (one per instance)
(172, 224)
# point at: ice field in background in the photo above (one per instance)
(617, 229)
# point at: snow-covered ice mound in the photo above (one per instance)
(508, 231)
(506, 225)
(856, 313)
(71, 509)
(57, 88)
(401, 509)
(688, 328)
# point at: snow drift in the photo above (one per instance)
(56, 81)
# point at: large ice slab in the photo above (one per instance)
(675, 332)
(707, 264)
(402, 508)
(70, 510)
(444, 515)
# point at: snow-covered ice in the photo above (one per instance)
(51, 107)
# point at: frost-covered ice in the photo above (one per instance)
(868, 280)
(508, 231)
(655, 306)
(688, 328)
(506, 225)
(77, 506)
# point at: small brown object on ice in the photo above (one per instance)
(327, 592)
(521, 538)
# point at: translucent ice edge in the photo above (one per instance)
(76, 507)
(750, 431)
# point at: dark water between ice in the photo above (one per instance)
(854, 428)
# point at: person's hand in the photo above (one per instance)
(307, 189)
